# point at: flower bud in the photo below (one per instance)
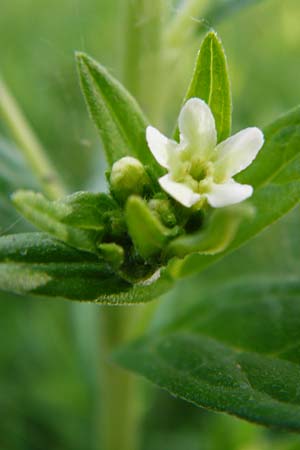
(128, 177)
(163, 210)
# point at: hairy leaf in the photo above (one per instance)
(215, 236)
(86, 210)
(221, 355)
(120, 122)
(210, 82)
(47, 216)
(36, 264)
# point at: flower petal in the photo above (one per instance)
(160, 146)
(228, 193)
(197, 126)
(237, 153)
(182, 193)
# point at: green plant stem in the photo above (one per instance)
(29, 144)
(120, 393)
(121, 405)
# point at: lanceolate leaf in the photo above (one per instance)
(275, 176)
(86, 210)
(48, 216)
(222, 355)
(210, 82)
(215, 237)
(36, 264)
(116, 114)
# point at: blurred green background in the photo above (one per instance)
(49, 362)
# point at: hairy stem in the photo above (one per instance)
(29, 144)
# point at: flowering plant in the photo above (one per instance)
(172, 207)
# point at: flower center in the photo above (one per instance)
(200, 170)
(195, 172)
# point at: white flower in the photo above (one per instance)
(199, 169)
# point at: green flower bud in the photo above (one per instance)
(163, 210)
(128, 177)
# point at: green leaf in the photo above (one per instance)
(36, 264)
(149, 235)
(262, 258)
(118, 118)
(86, 210)
(215, 236)
(221, 355)
(210, 82)
(48, 216)
(275, 175)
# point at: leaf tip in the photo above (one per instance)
(20, 195)
(80, 56)
(212, 37)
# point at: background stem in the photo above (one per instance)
(121, 402)
(184, 23)
(143, 56)
(121, 406)
(120, 392)
(29, 144)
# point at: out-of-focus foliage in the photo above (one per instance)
(48, 359)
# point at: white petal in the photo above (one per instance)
(228, 193)
(197, 125)
(182, 193)
(160, 146)
(237, 152)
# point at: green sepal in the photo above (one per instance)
(48, 216)
(112, 253)
(148, 234)
(215, 236)
(117, 116)
(210, 82)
